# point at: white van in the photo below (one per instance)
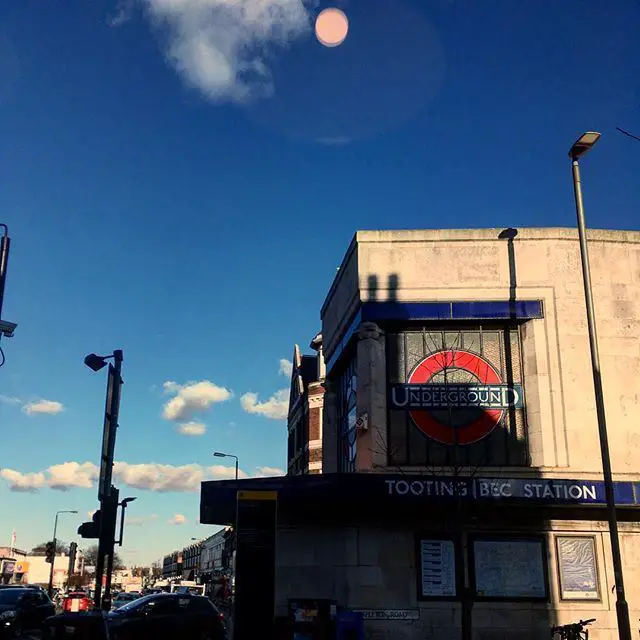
(188, 587)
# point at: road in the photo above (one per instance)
(37, 635)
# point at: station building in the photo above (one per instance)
(461, 492)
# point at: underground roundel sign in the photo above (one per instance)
(455, 397)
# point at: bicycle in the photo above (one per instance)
(573, 631)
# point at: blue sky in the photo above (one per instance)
(181, 182)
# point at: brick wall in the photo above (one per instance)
(314, 423)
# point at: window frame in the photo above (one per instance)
(544, 554)
(585, 536)
(344, 379)
(148, 608)
(481, 326)
(458, 556)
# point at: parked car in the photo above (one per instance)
(76, 601)
(166, 616)
(123, 598)
(23, 608)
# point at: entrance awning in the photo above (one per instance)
(361, 492)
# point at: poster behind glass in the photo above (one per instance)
(577, 568)
(438, 568)
(509, 569)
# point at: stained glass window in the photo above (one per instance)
(347, 415)
(497, 348)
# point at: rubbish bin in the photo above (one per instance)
(90, 625)
(350, 626)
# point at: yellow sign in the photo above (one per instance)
(21, 567)
(257, 495)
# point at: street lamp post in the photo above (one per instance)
(123, 506)
(219, 454)
(579, 148)
(107, 493)
(53, 560)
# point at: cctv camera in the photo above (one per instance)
(7, 328)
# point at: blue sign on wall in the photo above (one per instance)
(379, 491)
(534, 490)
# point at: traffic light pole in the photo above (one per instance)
(110, 513)
(53, 560)
(108, 494)
(73, 547)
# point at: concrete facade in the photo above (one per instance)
(412, 266)
(367, 568)
(375, 565)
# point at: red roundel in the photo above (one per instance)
(479, 368)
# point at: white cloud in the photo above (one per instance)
(178, 518)
(61, 477)
(286, 367)
(160, 477)
(220, 472)
(221, 46)
(192, 428)
(152, 476)
(10, 399)
(23, 482)
(276, 407)
(50, 407)
(192, 398)
(124, 13)
(268, 472)
(138, 521)
(72, 474)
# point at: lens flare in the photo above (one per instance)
(332, 26)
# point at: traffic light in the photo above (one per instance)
(91, 529)
(73, 548)
(50, 552)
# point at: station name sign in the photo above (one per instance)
(410, 397)
(510, 489)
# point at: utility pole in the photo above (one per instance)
(6, 328)
(5, 244)
(107, 542)
(107, 493)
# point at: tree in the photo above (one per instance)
(156, 570)
(61, 547)
(91, 558)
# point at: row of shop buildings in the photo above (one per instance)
(21, 567)
(444, 470)
(203, 560)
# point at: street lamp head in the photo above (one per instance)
(508, 234)
(583, 144)
(128, 500)
(95, 362)
(219, 454)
